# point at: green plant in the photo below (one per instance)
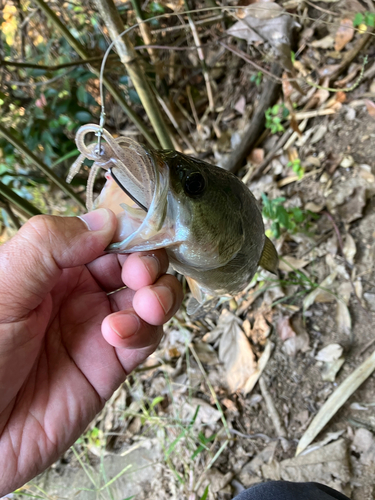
(368, 18)
(291, 219)
(274, 116)
(297, 167)
(257, 78)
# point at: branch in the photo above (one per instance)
(26, 65)
(10, 137)
(16, 200)
(81, 51)
(125, 50)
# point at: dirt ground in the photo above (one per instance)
(227, 396)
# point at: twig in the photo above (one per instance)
(79, 62)
(350, 55)
(12, 216)
(251, 135)
(202, 59)
(326, 11)
(272, 412)
(258, 435)
(17, 201)
(246, 58)
(81, 51)
(336, 400)
(10, 137)
(125, 50)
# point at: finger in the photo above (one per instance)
(141, 269)
(32, 261)
(106, 270)
(133, 338)
(157, 303)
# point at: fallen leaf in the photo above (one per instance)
(330, 461)
(326, 42)
(240, 105)
(370, 107)
(267, 22)
(311, 297)
(336, 400)
(288, 263)
(235, 351)
(284, 329)
(349, 249)
(331, 352)
(344, 34)
(331, 369)
(299, 343)
(364, 444)
(256, 156)
(370, 299)
(347, 161)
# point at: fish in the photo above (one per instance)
(205, 217)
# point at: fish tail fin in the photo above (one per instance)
(269, 259)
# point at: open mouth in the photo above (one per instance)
(132, 170)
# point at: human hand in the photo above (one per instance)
(65, 345)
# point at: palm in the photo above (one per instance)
(67, 370)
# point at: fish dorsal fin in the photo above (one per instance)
(269, 259)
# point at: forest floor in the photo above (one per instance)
(227, 396)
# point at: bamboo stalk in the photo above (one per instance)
(81, 51)
(16, 200)
(9, 136)
(128, 56)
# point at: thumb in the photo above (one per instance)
(32, 261)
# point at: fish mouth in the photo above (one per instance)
(136, 171)
(146, 226)
(128, 193)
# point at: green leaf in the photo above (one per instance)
(156, 401)
(370, 19)
(83, 117)
(81, 94)
(358, 19)
(205, 494)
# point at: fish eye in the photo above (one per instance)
(195, 184)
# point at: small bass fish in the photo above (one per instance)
(208, 220)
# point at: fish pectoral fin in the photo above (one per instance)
(269, 259)
(195, 289)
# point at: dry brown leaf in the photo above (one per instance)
(344, 34)
(331, 352)
(235, 351)
(240, 105)
(326, 42)
(321, 465)
(284, 328)
(364, 444)
(267, 22)
(299, 343)
(256, 156)
(288, 263)
(326, 283)
(349, 249)
(331, 369)
(370, 107)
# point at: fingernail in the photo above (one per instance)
(165, 297)
(127, 324)
(97, 219)
(152, 265)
